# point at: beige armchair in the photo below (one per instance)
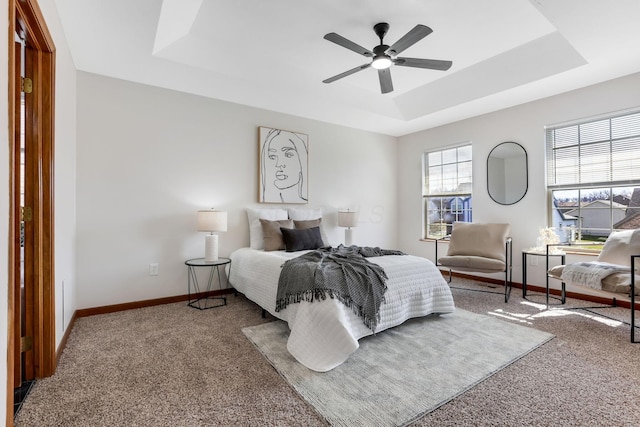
(480, 248)
(610, 272)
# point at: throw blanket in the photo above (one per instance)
(343, 273)
(590, 274)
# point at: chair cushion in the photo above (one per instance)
(619, 283)
(479, 240)
(619, 247)
(556, 272)
(472, 263)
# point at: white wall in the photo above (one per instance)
(149, 158)
(65, 173)
(523, 124)
(65, 140)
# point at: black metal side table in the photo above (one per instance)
(547, 255)
(201, 299)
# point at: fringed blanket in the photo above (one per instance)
(590, 274)
(343, 273)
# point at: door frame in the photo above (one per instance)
(25, 16)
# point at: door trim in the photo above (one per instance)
(26, 16)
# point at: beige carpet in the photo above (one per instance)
(400, 374)
(173, 365)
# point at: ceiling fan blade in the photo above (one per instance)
(339, 40)
(432, 64)
(346, 73)
(386, 85)
(416, 34)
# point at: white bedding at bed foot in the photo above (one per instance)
(325, 333)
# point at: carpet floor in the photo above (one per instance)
(172, 365)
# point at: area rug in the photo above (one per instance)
(400, 374)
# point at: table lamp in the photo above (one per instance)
(348, 219)
(211, 221)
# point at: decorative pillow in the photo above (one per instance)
(483, 240)
(309, 223)
(305, 214)
(301, 239)
(272, 235)
(256, 239)
(619, 247)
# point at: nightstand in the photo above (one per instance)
(201, 299)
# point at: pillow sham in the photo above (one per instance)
(305, 214)
(301, 214)
(272, 235)
(301, 239)
(310, 223)
(256, 239)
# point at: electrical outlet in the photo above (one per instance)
(153, 269)
(533, 260)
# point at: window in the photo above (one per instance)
(446, 189)
(593, 175)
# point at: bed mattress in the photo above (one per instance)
(324, 333)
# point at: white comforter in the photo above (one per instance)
(324, 333)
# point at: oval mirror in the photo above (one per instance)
(507, 174)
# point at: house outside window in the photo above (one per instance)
(593, 175)
(446, 189)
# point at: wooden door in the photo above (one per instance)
(31, 239)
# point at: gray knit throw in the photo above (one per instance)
(343, 273)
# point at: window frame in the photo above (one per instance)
(446, 199)
(592, 147)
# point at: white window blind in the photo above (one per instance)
(594, 153)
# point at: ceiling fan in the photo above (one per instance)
(385, 56)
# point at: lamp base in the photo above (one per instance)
(348, 237)
(211, 247)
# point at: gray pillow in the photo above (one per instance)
(308, 223)
(301, 239)
(272, 235)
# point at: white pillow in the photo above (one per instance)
(305, 214)
(256, 239)
(619, 247)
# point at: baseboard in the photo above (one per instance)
(84, 312)
(65, 337)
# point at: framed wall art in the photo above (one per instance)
(283, 166)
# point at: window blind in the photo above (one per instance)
(605, 151)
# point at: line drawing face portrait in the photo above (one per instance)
(283, 166)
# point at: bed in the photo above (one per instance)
(324, 333)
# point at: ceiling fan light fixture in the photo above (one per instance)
(381, 62)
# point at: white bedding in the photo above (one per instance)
(324, 333)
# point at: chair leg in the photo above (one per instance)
(507, 286)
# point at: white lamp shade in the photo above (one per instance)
(347, 219)
(212, 221)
